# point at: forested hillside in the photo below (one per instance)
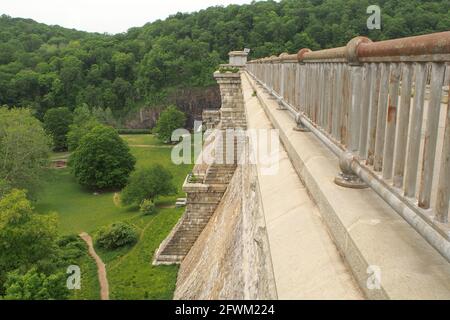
(48, 66)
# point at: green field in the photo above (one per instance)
(130, 273)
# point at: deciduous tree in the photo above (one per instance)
(170, 119)
(56, 123)
(27, 239)
(148, 184)
(102, 159)
(24, 149)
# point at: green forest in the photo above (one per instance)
(44, 67)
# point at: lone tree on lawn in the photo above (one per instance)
(148, 184)
(56, 123)
(102, 160)
(169, 120)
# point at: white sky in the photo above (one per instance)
(112, 16)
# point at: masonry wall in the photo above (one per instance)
(218, 265)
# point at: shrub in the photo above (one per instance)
(148, 183)
(193, 178)
(102, 160)
(116, 235)
(170, 119)
(56, 123)
(71, 248)
(147, 207)
(228, 69)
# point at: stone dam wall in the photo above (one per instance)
(231, 259)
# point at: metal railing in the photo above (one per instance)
(379, 107)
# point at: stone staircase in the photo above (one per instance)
(220, 174)
(193, 222)
(202, 201)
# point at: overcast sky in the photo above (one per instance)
(112, 16)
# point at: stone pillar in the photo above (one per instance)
(232, 112)
(238, 58)
(211, 118)
(205, 194)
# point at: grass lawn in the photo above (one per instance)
(142, 139)
(78, 209)
(130, 270)
(130, 273)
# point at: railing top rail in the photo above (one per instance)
(430, 47)
(435, 43)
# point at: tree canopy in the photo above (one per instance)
(170, 119)
(45, 67)
(102, 159)
(34, 285)
(56, 123)
(147, 184)
(27, 239)
(24, 150)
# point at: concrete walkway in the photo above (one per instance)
(306, 262)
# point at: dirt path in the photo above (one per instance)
(101, 267)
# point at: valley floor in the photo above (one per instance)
(129, 270)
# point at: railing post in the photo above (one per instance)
(347, 178)
(443, 192)
(391, 122)
(431, 134)
(283, 83)
(303, 92)
(403, 124)
(365, 109)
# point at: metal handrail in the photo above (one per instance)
(357, 101)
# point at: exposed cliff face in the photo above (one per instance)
(231, 258)
(192, 101)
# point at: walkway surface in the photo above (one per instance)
(306, 262)
(101, 267)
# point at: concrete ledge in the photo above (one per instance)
(367, 232)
